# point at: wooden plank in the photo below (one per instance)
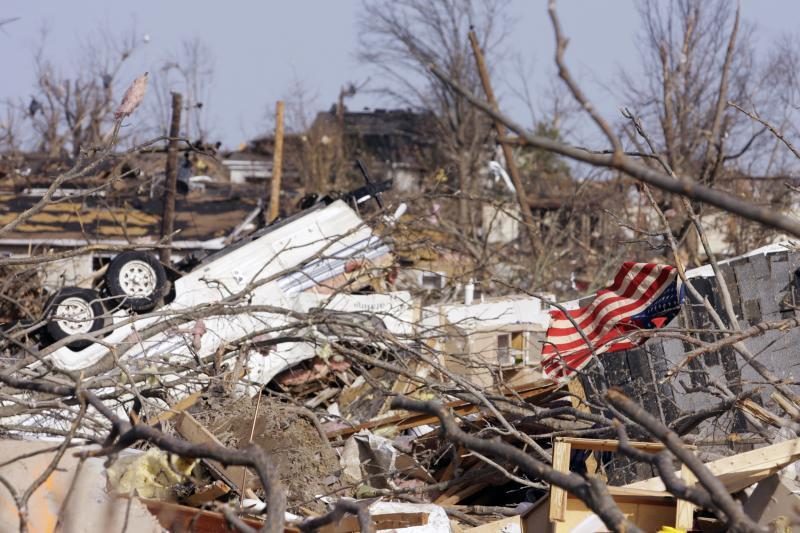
(182, 519)
(578, 400)
(391, 521)
(558, 496)
(742, 470)
(191, 430)
(649, 515)
(684, 511)
(411, 420)
(609, 445)
(511, 523)
(460, 492)
(626, 492)
(178, 408)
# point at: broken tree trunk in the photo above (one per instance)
(508, 154)
(168, 215)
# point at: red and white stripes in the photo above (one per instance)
(605, 321)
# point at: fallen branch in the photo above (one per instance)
(592, 491)
(719, 500)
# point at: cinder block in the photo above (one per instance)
(794, 260)
(746, 280)
(733, 288)
(760, 265)
(639, 365)
(752, 311)
(673, 351)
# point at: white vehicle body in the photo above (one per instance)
(296, 256)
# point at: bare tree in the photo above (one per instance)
(696, 58)
(400, 39)
(71, 112)
(188, 71)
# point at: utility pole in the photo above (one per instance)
(508, 154)
(277, 165)
(168, 215)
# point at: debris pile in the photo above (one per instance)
(286, 382)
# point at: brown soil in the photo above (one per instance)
(306, 466)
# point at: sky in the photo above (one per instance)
(260, 49)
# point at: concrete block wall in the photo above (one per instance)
(763, 288)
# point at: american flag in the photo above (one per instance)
(642, 296)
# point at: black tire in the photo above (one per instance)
(137, 279)
(76, 298)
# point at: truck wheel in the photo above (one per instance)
(74, 310)
(137, 279)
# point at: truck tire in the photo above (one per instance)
(74, 310)
(136, 279)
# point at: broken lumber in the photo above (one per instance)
(180, 518)
(209, 493)
(405, 421)
(191, 430)
(742, 470)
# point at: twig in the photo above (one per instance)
(736, 519)
(680, 185)
(341, 508)
(592, 491)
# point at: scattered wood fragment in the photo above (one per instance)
(760, 413)
(349, 524)
(191, 430)
(405, 421)
(179, 407)
(742, 470)
(786, 404)
(180, 518)
(208, 493)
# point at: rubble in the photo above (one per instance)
(293, 341)
(428, 319)
(307, 465)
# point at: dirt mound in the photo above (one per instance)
(307, 465)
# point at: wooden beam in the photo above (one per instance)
(411, 420)
(786, 404)
(558, 496)
(609, 445)
(178, 408)
(760, 413)
(742, 470)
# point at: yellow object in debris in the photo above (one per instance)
(152, 474)
(668, 529)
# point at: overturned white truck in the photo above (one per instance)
(246, 290)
